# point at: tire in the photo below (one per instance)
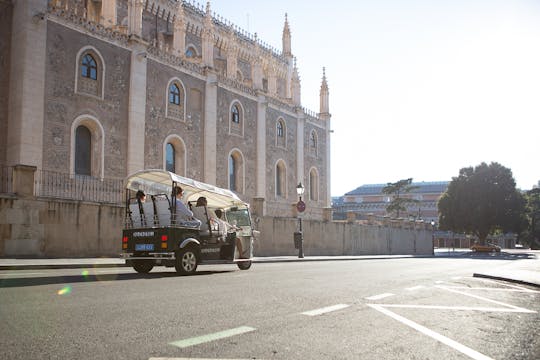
(244, 265)
(143, 266)
(186, 261)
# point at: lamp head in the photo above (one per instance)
(300, 189)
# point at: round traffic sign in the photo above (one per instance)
(301, 206)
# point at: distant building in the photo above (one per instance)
(370, 200)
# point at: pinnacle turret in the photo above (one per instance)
(324, 95)
(286, 38)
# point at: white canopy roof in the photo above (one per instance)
(157, 181)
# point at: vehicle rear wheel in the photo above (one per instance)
(244, 265)
(143, 266)
(186, 261)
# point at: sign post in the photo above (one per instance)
(301, 207)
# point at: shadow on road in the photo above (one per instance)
(492, 255)
(72, 279)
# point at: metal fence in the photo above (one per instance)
(78, 187)
(6, 179)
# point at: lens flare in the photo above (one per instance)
(85, 273)
(65, 290)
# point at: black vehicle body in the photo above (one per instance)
(154, 235)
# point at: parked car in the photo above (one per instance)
(485, 248)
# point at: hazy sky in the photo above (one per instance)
(418, 88)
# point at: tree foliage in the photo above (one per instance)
(531, 235)
(398, 203)
(481, 201)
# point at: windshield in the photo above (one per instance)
(241, 216)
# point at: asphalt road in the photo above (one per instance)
(429, 308)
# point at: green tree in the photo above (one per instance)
(482, 201)
(531, 235)
(397, 189)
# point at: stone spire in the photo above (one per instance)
(324, 95)
(286, 38)
(295, 86)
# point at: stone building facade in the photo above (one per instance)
(106, 88)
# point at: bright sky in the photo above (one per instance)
(418, 88)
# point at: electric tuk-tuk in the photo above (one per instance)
(155, 235)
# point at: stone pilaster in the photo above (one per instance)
(261, 147)
(208, 39)
(210, 123)
(108, 13)
(300, 125)
(257, 75)
(135, 9)
(179, 39)
(26, 101)
(137, 108)
(23, 180)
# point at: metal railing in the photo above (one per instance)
(78, 187)
(6, 179)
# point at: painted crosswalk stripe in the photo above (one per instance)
(212, 337)
(415, 288)
(380, 296)
(325, 310)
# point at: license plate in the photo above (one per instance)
(144, 247)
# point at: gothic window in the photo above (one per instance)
(170, 157)
(236, 171)
(281, 176)
(83, 151)
(313, 143)
(313, 185)
(236, 123)
(89, 67)
(176, 100)
(90, 71)
(281, 139)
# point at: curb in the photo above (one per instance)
(502, 278)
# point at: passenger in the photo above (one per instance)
(182, 212)
(140, 196)
(229, 227)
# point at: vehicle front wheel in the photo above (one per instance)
(244, 265)
(186, 261)
(143, 266)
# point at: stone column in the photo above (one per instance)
(257, 75)
(26, 103)
(210, 122)
(23, 180)
(137, 108)
(261, 146)
(108, 13)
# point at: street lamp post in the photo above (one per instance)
(432, 237)
(300, 206)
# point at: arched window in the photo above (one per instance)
(87, 147)
(83, 151)
(281, 139)
(89, 67)
(232, 173)
(281, 176)
(90, 71)
(191, 52)
(174, 155)
(236, 171)
(170, 158)
(313, 185)
(313, 143)
(236, 122)
(174, 94)
(176, 104)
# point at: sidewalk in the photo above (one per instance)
(524, 271)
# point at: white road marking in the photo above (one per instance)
(461, 308)
(190, 358)
(503, 284)
(325, 310)
(415, 288)
(493, 289)
(481, 298)
(439, 282)
(456, 278)
(211, 337)
(441, 338)
(380, 296)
